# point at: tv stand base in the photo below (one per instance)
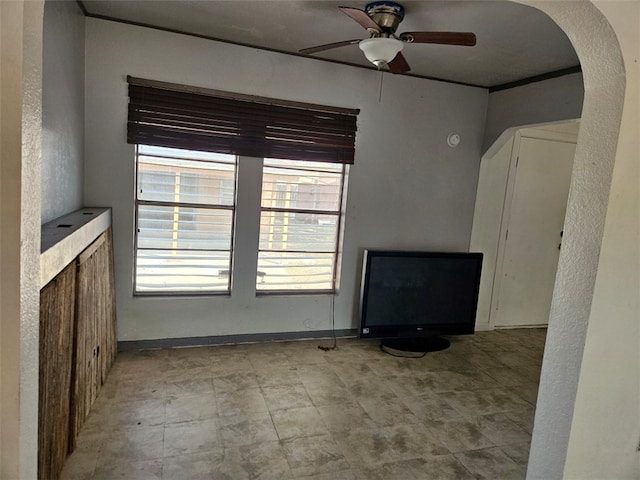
(405, 347)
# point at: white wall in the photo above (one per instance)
(20, 147)
(487, 219)
(605, 429)
(570, 322)
(408, 189)
(62, 109)
(547, 101)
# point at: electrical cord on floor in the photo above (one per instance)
(333, 327)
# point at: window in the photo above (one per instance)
(184, 215)
(189, 143)
(299, 225)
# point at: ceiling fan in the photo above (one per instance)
(383, 47)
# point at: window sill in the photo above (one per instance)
(180, 294)
(297, 293)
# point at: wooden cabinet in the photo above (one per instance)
(57, 305)
(95, 340)
(78, 346)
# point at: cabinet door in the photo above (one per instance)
(95, 333)
(57, 305)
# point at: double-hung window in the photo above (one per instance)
(184, 220)
(189, 143)
(299, 225)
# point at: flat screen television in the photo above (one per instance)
(408, 299)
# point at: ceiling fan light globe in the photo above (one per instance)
(380, 50)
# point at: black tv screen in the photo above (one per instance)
(405, 294)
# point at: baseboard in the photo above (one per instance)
(132, 345)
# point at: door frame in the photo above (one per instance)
(536, 133)
(493, 205)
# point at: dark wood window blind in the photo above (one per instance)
(177, 116)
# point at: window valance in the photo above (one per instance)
(178, 116)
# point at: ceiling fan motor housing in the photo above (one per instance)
(387, 15)
(383, 47)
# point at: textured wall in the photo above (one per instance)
(605, 428)
(62, 109)
(20, 134)
(30, 234)
(597, 48)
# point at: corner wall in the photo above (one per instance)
(62, 109)
(541, 102)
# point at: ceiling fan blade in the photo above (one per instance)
(399, 64)
(329, 46)
(466, 39)
(361, 17)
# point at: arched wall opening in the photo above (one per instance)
(604, 80)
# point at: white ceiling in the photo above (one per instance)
(514, 42)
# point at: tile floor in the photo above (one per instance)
(291, 411)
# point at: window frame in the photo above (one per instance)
(337, 250)
(136, 207)
(162, 114)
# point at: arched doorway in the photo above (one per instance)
(603, 69)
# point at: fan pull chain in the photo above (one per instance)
(380, 93)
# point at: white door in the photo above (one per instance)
(533, 237)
